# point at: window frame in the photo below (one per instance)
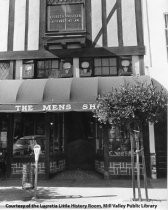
(5, 63)
(166, 31)
(108, 66)
(46, 69)
(74, 31)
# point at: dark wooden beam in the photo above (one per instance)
(80, 52)
(19, 55)
(139, 25)
(88, 22)
(108, 19)
(104, 23)
(119, 23)
(100, 52)
(11, 24)
(26, 24)
(42, 25)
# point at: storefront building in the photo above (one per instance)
(56, 57)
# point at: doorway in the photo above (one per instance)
(161, 149)
(79, 140)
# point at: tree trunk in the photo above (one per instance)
(106, 152)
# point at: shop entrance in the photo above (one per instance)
(79, 140)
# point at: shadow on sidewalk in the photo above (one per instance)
(12, 194)
(54, 182)
(15, 194)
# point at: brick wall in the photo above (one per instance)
(18, 167)
(116, 168)
(55, 166)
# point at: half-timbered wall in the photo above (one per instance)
(19, 25)
(119, 23)
(114, 24)
(4, 19)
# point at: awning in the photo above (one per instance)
(59, 95)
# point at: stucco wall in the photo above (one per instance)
(19, 38)
(128, 23)
(4, 14)
(20, 25)
(156, 62)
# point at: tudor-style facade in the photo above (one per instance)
(76, 42)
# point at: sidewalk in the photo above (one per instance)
(82, 194)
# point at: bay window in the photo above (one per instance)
(63, 16)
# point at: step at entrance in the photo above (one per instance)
(78, 174)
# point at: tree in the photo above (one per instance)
(131, 106)
(131, 103)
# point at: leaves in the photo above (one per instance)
(131, 102)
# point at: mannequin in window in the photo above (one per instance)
(125, 69)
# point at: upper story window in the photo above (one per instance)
(166, 31)
(4, 69)
(105, 66)
(65, 15)
(85, 66)
(28, 69)
(49, 68)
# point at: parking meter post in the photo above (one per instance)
(35, 181)
(37, 149)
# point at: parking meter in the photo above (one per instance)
(37, 149)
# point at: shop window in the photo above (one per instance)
(4, 69)
(119, 141)
(3, 145)
(54, 68)
(166, 32)
(66, 68)
(28, 69)
(125, 66)
(48, 68)
(63, 16)
(28, 131)
(105, 67)
(3, 133)
(85, 66)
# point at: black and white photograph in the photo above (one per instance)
(83, 104)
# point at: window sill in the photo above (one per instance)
(65, 33)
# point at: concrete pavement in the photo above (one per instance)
(82, 194)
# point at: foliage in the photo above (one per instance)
(129, 103)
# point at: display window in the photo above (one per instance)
(119, 141)
(105, 66)
(29, 130)
(3, 133)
